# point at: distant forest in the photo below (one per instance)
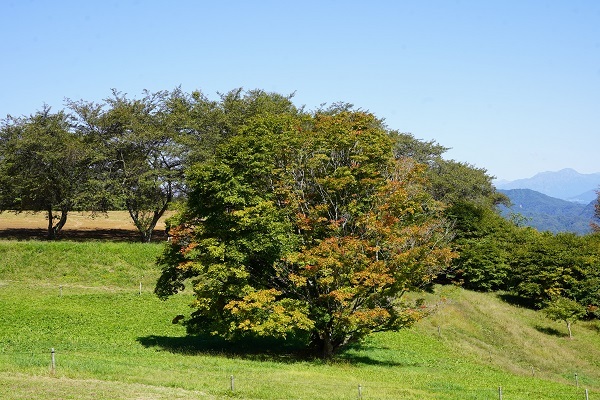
(546, 213)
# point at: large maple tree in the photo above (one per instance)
(306, 223)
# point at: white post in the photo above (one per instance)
(587, 395)
(232, 383)
(500, 392)
(359, 392)
(53, 362)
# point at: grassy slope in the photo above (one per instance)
(113, 343)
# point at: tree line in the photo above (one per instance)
(311, 224)
(122, 153)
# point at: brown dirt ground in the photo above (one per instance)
(114, 226)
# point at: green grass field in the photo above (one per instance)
(111, 342)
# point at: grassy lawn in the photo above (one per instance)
(111, 342)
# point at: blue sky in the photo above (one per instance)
(509, 86)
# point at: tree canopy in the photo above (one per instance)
(45, 166)
(306, 223)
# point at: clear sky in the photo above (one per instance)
(509, 86)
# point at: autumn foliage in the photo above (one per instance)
(306, 224)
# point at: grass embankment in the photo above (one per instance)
(113, 343)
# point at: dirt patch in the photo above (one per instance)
(114, 226)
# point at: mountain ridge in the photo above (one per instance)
(565, 184)
(546, 213)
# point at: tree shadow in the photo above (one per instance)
(353, 358)
(517, 300)
(259, 349)
(81, 235)
(594, 327)
(550, 331)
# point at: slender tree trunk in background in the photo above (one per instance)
(146, 226)
(143, 222)
(51, 234)
(54, 230)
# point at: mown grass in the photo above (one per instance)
(113, 343)
(111, 264)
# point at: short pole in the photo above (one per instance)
(140, 288)
(576, 380)
(232, 385)
(359, 392)
(587, 395)
(500, 392)
(53, 362)
(60, 287)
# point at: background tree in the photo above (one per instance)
(566, 310)
(45, 166)
(306, 223)
(143, 153)
(481, 236)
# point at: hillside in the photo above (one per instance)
(547, 213)
(114, 342)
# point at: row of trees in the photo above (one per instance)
(311, 224)
(119, 154)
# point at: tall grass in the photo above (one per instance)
(113, 343)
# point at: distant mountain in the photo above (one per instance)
(585, 198)
(565, 184)
(547, 213)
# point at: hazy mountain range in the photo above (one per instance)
(561, 201)
(566, 184)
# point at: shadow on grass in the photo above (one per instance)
(550, 331)
(81, 235)
(258, 349)
(517, 300)
(594, 327)
(355, 354)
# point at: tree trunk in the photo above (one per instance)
(54, 230)
(323, 345)
(146, 235)
(569, 329)
(51, 234)
(145, 225)
(327, 349)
